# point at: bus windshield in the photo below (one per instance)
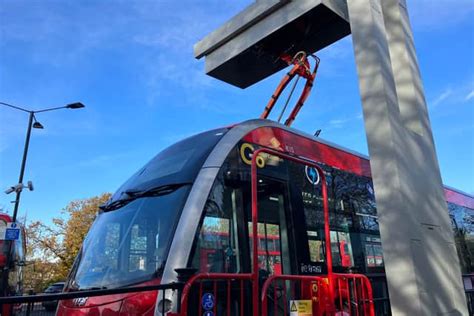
(129, 240)
(129, 244)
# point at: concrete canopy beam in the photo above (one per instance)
(254, 39)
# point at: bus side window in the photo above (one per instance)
(316, 252)
(269, 257)
(216, 247)
(215, 234)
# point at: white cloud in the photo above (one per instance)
(470, 96)
(342, 122)
(442, 97)
(457, 96)
(158, 36)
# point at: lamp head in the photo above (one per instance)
(37, 125)
(75, 105)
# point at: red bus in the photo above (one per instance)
(11, 277)
(194, 206)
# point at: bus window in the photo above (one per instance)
(269, 258)
(341, 249)
(378, 255)
(369, 255)
(277, 244)
(214, 243)
(217, 247)
(373, 253)
(271, 216)
(316, 252)
(261, 244)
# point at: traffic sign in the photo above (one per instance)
(10, 232)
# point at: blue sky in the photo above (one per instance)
(131, 63)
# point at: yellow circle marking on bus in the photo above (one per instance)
(260, 162)
(315, 287)
(242, 153)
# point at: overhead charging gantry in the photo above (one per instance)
(421, 263)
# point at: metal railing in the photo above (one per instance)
(45, 304)
(232, 295)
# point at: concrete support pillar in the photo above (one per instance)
(421, 263)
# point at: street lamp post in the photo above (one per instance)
(22, 168)
(32, 122)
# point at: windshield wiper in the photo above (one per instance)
(132, 195)
(161, 190)
(115, 204)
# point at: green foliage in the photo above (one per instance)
(51, 249)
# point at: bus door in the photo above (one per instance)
(272, 237)
(286, 271)
(303, 285)
(275, 255)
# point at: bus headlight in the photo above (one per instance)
(164, 306)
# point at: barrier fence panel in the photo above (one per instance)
(354, 294)
(285, 294)
(231, 294)
(217, 293)
(308, 295)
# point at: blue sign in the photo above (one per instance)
(12, 234)
(207, 301)
(208, 313)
